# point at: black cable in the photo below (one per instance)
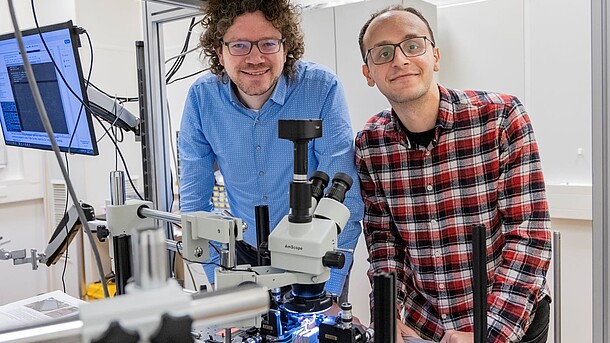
(119, 98)
(78, 97)
(63, 273)
(116, 155)
(182, 55)
(122, 158)
(80, 110)
(187, 76)
(214, 247)
(178, 62)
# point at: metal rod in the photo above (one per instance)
(150, 265)
(384, 293)
(117, 188)
(63, 332)
(229, 305)
(557, 286)
(479, 282)
(227, 336)
(80, 252)
(160, 215)
(171, 245)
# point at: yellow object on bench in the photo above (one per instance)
(95, 290)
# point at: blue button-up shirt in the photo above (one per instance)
(256, 165)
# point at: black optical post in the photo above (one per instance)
(384, 293)
(122, 261)
(479, 282)
(261, 215)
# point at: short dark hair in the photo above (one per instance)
(386, 10)
(219, 15)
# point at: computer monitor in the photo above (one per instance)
(19, 118)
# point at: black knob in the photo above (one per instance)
(333, 259)
(88, 211)
(173, 330)
(117, 334)
(102, 232)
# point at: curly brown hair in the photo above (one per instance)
(218, 16)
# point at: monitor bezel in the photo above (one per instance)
(74, 42)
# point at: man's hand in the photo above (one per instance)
(333, 311)
(402, 330)
(452, 336)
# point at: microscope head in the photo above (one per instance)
(305, 241)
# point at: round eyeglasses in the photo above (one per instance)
(244, 47)
(410, 47)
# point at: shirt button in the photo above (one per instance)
(261, 173)
(433, 221)
(441, 286)
(437, 252)
(258, 148)
(264, 198)
(444, 316)
(427, 153)
(429, 187)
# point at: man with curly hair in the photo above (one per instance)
(231, 118)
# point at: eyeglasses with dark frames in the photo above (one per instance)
(410, 47)
(244, 47)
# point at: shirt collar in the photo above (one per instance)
(445, 117)
(281, 88)
(444, 121)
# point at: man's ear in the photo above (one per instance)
(220, 56)
(437, 57)
(367, 74)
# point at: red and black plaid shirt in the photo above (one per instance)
(482, 167)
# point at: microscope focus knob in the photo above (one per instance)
(333, 259)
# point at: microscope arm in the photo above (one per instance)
(265, 276)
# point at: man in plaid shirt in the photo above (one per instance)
(440, 161)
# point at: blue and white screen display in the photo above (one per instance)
(21, 123)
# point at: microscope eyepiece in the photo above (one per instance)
(341, 184)
(319, 180)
